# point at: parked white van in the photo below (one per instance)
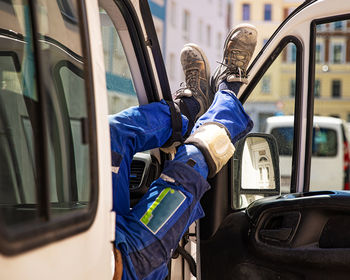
(330, 151)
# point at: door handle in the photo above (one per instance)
(281, 234)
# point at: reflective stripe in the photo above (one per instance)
(162, 209)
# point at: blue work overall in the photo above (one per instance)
(148, 234)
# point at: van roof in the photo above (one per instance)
(290, 120)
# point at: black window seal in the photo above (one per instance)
(45, 230)
(311, 97)
(298, 96)
(153, 43)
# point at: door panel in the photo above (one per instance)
(295, 236)
(289, 237)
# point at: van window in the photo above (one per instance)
(278, 100)
(45, 147)
(120, 86)
(324, 142)
(332, 76)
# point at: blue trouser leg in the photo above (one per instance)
(148, 235)
(227, 110)
(135, 130)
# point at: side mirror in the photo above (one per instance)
(255, 169)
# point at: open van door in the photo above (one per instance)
(60, 77)
(301, 234)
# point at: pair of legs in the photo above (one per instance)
(148, 234)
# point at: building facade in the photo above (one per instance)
(203, 22)
(271, 96)
(158, 10)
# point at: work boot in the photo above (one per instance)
(238, 50)
(194, 96)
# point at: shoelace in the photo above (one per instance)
(191, 83)
(234, 69)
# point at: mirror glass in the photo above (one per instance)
(257, 167)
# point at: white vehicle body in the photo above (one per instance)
(329, 162)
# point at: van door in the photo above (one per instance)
(300, 235)
(54, 193)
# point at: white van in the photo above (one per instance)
(65, 64)
(330, 151)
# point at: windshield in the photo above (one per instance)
(324, 141)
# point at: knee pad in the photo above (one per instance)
(214, 141)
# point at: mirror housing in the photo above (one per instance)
(255, 169)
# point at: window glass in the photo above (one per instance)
(55, 119)
(120, 86)
(324, 142)
(246, 11)
(330, 165)
(276, 109)
(208, 35)
(336, 88)
(318, 54)
(186, 25)
(338, 25)
(317, 88)
(267, 12)
(337, 53)
(18, 113)
(62, 63)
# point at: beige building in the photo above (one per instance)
(272, 95)
(275, 92)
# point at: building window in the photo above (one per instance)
(336, 88)
(208, 35)
(319, 53)
(291, 53)
(317, 88)
(292, 88)
(266, 84)
(220, 8)
(218, 44)
(267, 12)
(246, 11)
(338, 25)
(172, 66)
(186, 25)
(338, 53)
(200, 31)
(173, 14)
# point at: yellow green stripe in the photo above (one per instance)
(147, 216)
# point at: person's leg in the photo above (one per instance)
(150, 234)
(134, 130)
(152, 231)
(152, 125)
